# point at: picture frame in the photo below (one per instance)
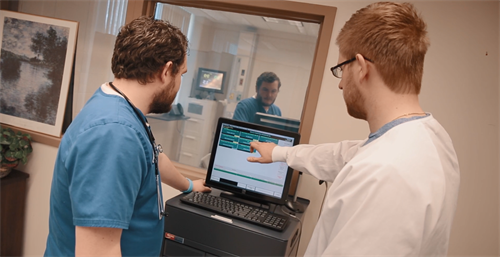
(36, 64)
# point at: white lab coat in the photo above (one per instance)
(395, 196)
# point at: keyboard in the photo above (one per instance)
(235, 209)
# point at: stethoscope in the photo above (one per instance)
(156, 149)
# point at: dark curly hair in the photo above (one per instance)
(144, 46)
(268, 77)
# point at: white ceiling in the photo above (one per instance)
(255, 22)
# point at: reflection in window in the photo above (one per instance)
(174, 15)
(237, 48)
(115, 16)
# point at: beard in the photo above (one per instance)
(354, 100)
(162, 101)
(259, 98)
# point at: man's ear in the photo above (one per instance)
(166, 72)
(364, 71)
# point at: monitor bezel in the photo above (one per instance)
(276, 121)
(250, 195)
(198, 80)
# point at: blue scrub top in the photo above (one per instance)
(104, 177)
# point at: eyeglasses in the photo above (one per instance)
(337, 69)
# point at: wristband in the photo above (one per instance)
(190, 187)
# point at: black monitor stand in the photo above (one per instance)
(294, 205)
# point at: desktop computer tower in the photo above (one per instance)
(192, 231)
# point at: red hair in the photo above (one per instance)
(394, 37)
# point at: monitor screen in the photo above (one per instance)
(277, 121)
(230, 171)
(211, 80)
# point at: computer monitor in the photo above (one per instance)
(210, 80)
(277, 121)
(229, 170)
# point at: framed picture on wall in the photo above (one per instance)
(36, 62)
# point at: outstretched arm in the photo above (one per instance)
(323, 161)
(172, 177)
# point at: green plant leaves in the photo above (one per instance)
(14, 147)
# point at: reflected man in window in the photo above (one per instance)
(267, 87)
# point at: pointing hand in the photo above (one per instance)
(265, 150)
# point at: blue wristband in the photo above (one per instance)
(190, 187)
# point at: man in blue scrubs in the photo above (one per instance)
(268, 86)
(106, 197)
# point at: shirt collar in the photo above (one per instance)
(389, 126)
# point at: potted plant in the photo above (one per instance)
(14, 148)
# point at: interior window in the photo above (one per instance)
(227, 54)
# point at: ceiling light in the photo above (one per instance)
(273, 20)
(296, 23)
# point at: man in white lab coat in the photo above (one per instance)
(394, 193)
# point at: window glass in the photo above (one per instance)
(227, 54)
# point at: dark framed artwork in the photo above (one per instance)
(36, 62)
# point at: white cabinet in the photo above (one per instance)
(167, 133)
(199, 130)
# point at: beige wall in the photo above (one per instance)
(460, 88)
(36, 227)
